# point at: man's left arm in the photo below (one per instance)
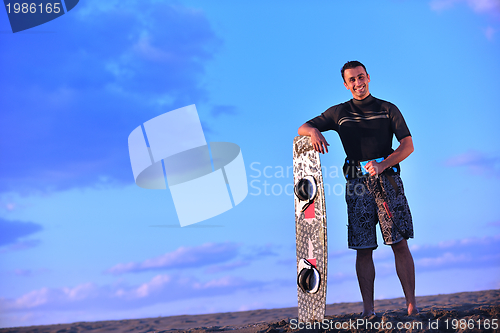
(403, 151)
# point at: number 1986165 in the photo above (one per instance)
(464, 324)
(33, 8)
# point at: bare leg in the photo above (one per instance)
(406, 273)
(365, 270)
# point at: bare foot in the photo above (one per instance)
(368, 314)
(412, 310)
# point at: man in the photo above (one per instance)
(374, 192)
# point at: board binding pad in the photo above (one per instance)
(310, 231)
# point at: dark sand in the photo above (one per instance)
(460, 312)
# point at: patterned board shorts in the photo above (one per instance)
(365, 209)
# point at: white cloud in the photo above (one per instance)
(160, 289)
(133, 58)
(150, 287)
(227, 267)
(479, 6)
(465, 253)
(146, 50)
(13, 232)
(32, 299)
(476, 162)
(445, 259)
(218, 257)
(484, 7)
(490, 32)
(81, 292)
(196, 256)
(495, 223)
(440, 5)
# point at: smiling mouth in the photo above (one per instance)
(362, 88)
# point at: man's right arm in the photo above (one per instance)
(318, 141)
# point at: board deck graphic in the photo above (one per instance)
(310, 232)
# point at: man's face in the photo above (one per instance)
(356, 80)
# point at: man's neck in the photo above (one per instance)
(368, 99)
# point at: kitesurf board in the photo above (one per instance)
(310, 231)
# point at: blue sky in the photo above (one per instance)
(80, 241)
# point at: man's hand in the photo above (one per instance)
(375, 168)
(318, 141)
(403, 151)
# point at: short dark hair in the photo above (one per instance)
(351, 65)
